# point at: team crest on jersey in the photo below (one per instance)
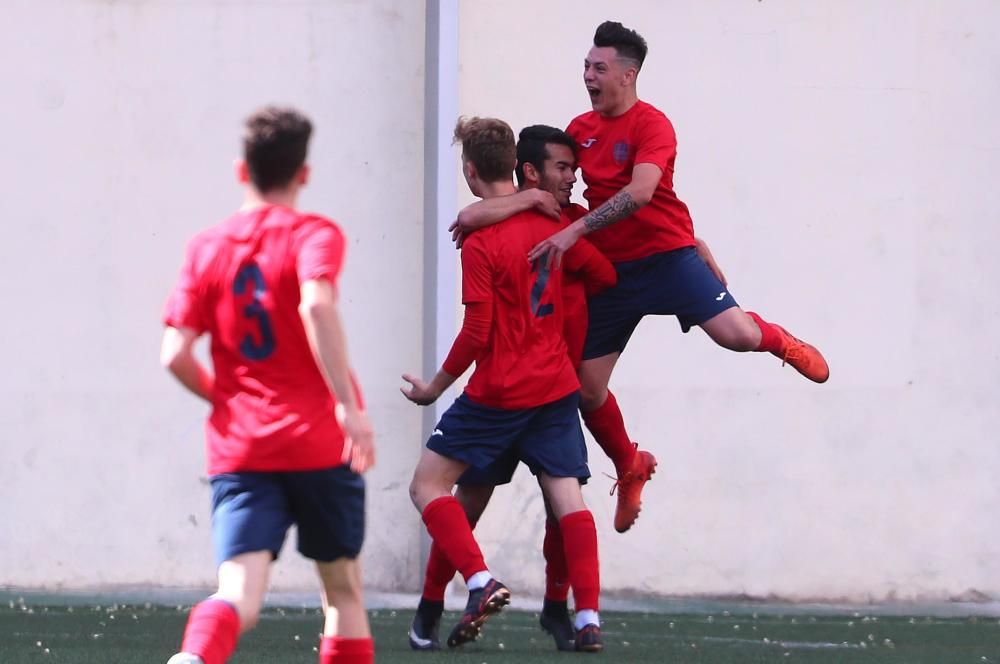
(620, 152)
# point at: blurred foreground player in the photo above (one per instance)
(522, 397)
(287, 435)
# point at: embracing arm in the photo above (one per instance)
(177, 356)
(633, 196)
(491, 210)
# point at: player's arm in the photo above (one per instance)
(633, 196)
(468, 345)
(491, 210)
(584, 260)
(321, 318)
(477, 294)
(177, 356)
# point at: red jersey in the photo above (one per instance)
(609, 148)
(524, 364)
(585, 272)
(271, 408)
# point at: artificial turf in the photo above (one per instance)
(126, 634)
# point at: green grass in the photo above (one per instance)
(126, 634)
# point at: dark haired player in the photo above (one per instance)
(522, 397)
(263, 286)
(627, 153)
(546, 162)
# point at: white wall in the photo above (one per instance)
(841, 160)
(120, 122)
(839, 157)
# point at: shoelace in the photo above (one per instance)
(794, 352)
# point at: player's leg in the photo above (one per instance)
(695, 295)
(250, 516)
(329, 509)
(579, 535)
(613, 316)
(740, 330)
(556, 452)
(215, 624)
(346, 635)
(423, 634)
(554, 617)
(448, 526)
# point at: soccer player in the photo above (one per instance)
(522, 396)
(627, 154)
(546, 162)
(288, 436)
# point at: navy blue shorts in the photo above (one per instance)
(501, 471)
(252, 511)
(677, 283)
(548, 439)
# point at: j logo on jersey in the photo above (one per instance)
(620, 152)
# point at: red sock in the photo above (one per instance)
(337, 650)
(608, 427)
(449, 528)
(580, 543)
(771, 340)
(439, 574)
(212, 631)
(556, 575)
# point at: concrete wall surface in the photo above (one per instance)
(838, 157)
(123, 119)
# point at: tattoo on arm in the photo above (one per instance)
(616, 208)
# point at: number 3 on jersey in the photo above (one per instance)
(249, 347)
(538, 289)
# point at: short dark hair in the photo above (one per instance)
(627, 42)
(531, 147)
(489, 144)
(274, 146)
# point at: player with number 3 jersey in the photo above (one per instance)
(263, 286)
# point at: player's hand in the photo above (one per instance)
(709, 259)
(554, 246)
(359, 440)
(419, 392)
(458, 234)
(545, 203)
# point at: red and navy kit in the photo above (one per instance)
(525, 363)
(521, 401)
(609, 148)
(271, 408)
(586, 272)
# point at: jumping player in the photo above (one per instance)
(263, 286)
(521, 398)
(627, 154)
(546, 162)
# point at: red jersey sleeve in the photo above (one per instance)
(321, 254)
(472, 338)
(477, 273)
(589, 265)
(184, 305)
(656, 141)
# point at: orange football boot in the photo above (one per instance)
(803, 357)
(629, 487)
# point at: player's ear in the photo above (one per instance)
(303, 177)
(242, 171)
(531, 173)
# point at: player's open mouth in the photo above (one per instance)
(593, 92)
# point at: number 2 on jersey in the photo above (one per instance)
(538, 288)
(251, 274)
